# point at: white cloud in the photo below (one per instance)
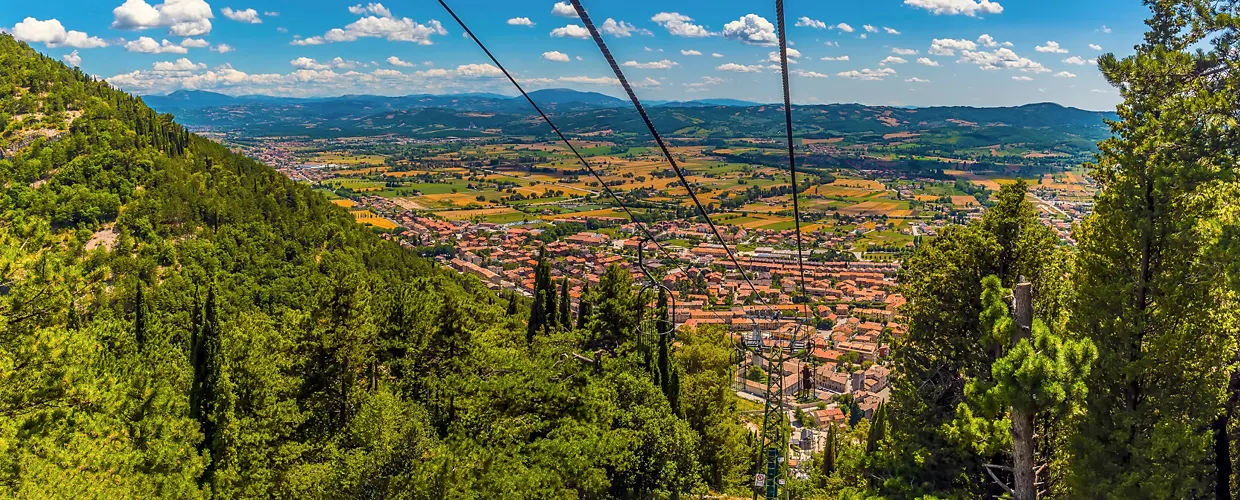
(372, 8)
(396, 61)
(663, 64)
(1023, 78)
(892, 60)
(53, 34)
(739, 68)
(949, 46)
(191, 43)
(926, 61)
(868, 74)
(1051, 47)
(751, 29)
(1077, 60)
(223, 48)
(602, 80)
(863, 36)
(917, 80)
(987, 40)
(1095, 46)
(904, 52)
(1105, 29)
(890, 31)
(271, 13)
(521, 21)
(571, 31)
(622, 29)
(870, 28)
(556, 56)
(811, 23)
(1002, 58)
(807, 74)
(181, 17)
(72, 58)
(829, 58)
(180, 65)
(379, 24)
(793, 54)
(684, 52)
(148, 45)
(678, 24)
(564, 9)
(308, 63)
(342, 63)
(844, 27)
(244, 16)
(716, 54)
(952, 7)
(1064, 74)
(478, 71)
(706, 81)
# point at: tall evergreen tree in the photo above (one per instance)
(139, 317)
(566, 315)
(1156, 280)
(583, 307)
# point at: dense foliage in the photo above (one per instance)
(180, 321)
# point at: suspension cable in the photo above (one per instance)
(598, 40)
(792, 161)
(566, 142)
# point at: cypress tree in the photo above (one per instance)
(566, 319)
(583, 307)
(512, 305)
(828, 454)
(139, 317)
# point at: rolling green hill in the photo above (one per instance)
(178, 321)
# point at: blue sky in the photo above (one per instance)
(899, 52)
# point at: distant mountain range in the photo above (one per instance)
(1040, 127)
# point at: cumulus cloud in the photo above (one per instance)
(829, 58)
(1095, 46)
(53, 34)
(342, 63)
(969, 8)
(892, 60)
(811, 23)
(663, 64)
(192, 43)
(751, 29)
(739, 68)
(308, 63)
(148, 45)
(571, 31)
(521, 21)
(244, 16)
(891, 31)
(378, 22)
(678, 24)
(706, 81)
(179, 65)
(949, 46)
(904, 52)
(564, 9)
(1051, 47)
(1064, 74)
(72, 58)
(868, 74)
(396, 61)
(987, 41)
(716, 54)
(689, 52)
(793, 54)
(602, 80)
(871, 28)
(181, 17)
(844, 27)
(926, 61)
(807, 74)
(222, 48)
(622, 29)
(1002, 58)
(1077, 60)
(917, 80)
(1022, 78)
(556, 56)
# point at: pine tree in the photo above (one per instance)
(1156, 280)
